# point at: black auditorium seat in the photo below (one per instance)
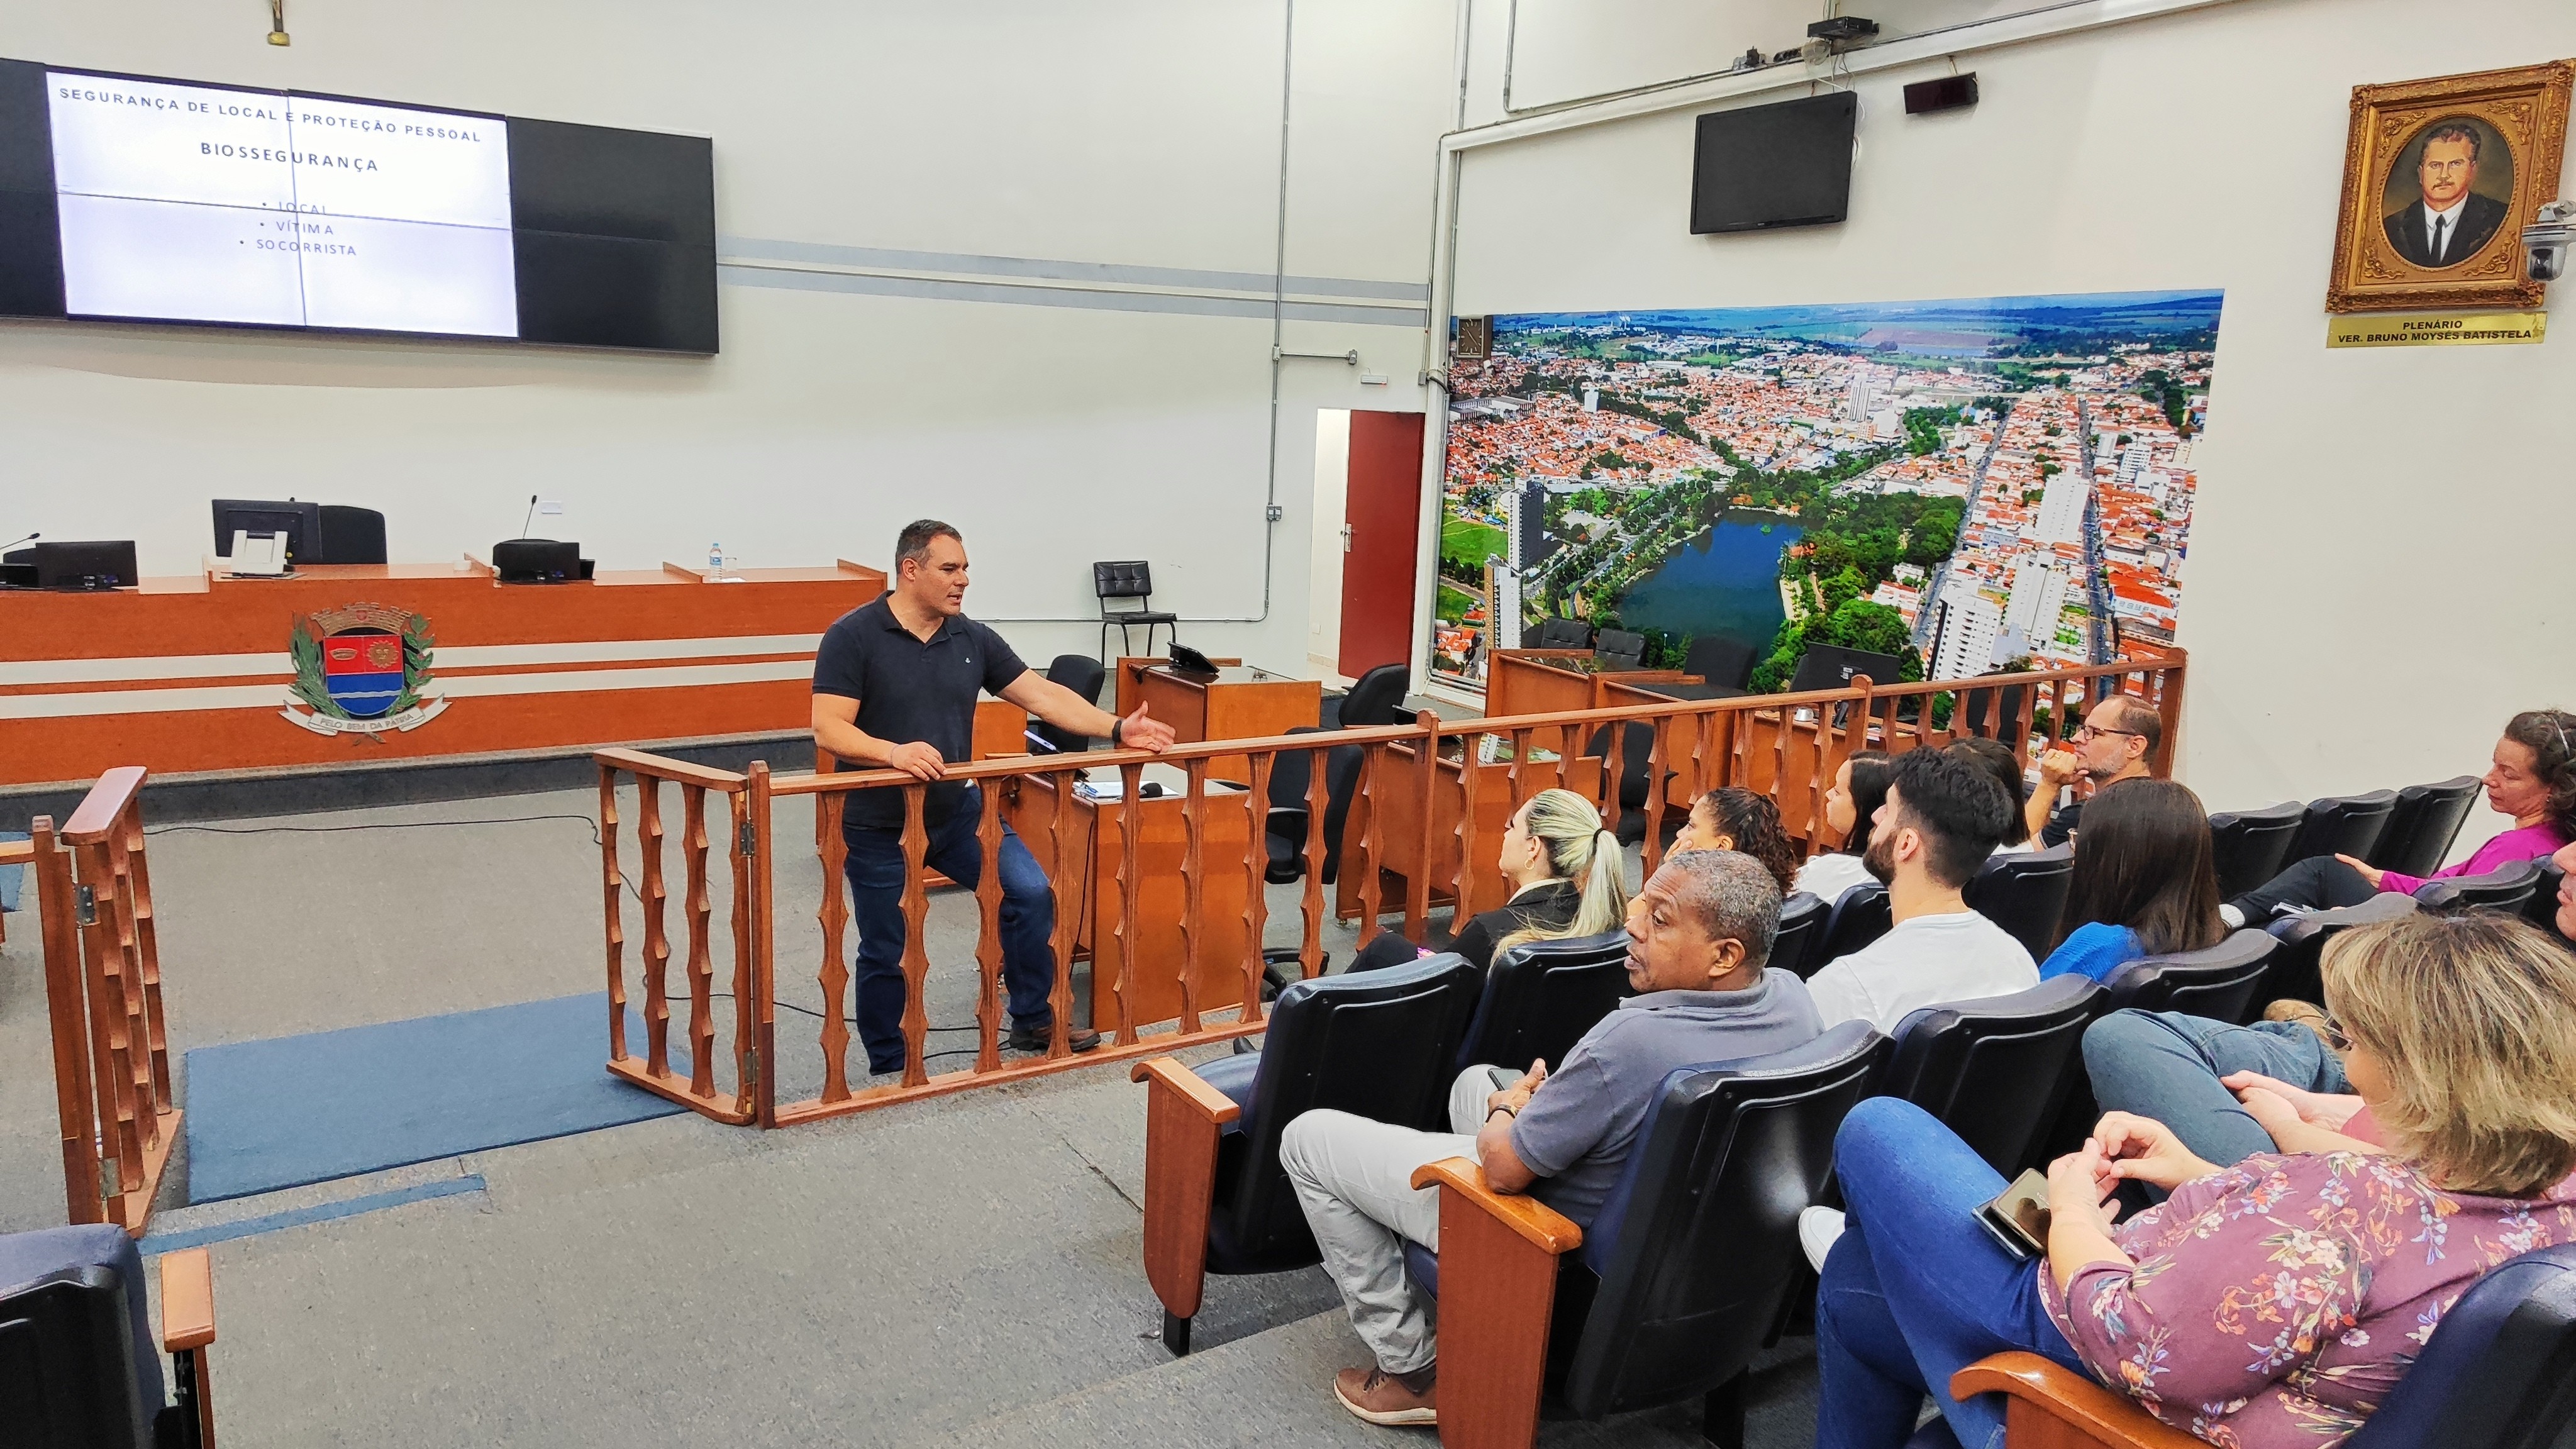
(1381, 1044)
(2342, 825)
(1995, 1070)
(1861, 916)
(2507, 888)
(1802, 927)
(2420, 829)
(78, 1365)
(2025, 892)
(2293, 974)
(2248, 847)
(2216, 981)
(1677, 1283)
(2542, 909)
(1542, 996)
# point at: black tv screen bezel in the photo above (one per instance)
(1847, 102)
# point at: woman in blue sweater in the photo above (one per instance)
(2144, 883)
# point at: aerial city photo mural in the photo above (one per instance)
(1968, 486)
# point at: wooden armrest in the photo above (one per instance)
(13, 852)
(1167, 1072)
(1547, 1229)
(2110, 1419)
(187, 1300)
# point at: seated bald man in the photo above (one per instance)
(1699, 936)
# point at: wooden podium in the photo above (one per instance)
(1238, 704)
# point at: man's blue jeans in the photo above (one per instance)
(1915, 1290)
(2165, 1065)
(875, 870)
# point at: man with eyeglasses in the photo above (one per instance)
(2118, 742)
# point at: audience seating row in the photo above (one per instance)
(2408, 831)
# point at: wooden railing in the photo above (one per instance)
(103, 994)
(1423, 830)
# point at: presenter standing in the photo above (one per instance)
(894, 687)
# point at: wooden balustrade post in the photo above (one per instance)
(1466, 888)
(989, 1008)
(2168, 697)
(657, 942)
(1520, 765)
(916, 950)
(746, 992)
(1426, 794)
(1310, 947)
(147, 941)
(611, 883)
(111, 1030)
(760, 1071)
(1193, 888)
(1256, 859)
(1065, 874)
(1652, 853)
(1614, 770)
(1372, 875)
(834, 976)
(1565, 753)
(700, 910)
(1131, 778)
(77, 1095)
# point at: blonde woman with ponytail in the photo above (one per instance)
(1567, 878)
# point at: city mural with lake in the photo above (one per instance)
(1968, 486)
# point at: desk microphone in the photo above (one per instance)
(30, 538)
(530, 521)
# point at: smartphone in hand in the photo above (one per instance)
(2018, 1217)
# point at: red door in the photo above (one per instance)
(1381, 535)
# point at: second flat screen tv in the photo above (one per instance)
(1767, 166)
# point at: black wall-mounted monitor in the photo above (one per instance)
(1767, 166)
(133, 199)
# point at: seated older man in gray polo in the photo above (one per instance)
(1698, 937)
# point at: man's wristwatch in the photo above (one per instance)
(1503, 1107)
(1117, 734)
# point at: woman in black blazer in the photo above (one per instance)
(1567, 879)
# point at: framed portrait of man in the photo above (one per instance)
(2439, 178)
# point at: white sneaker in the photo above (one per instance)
(2234, 918)
(1818, 1227)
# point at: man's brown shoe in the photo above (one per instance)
(2305, 1013)
(1383, 1398)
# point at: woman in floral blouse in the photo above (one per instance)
(2266, 1305)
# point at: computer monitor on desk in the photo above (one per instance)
(300, 522)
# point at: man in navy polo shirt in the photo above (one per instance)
(894, 688)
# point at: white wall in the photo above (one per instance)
(2377, 573)
(1332, 504)
(1133, 148)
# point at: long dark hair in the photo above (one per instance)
(2143, 860)
(2550, 735)
(1753, 823)
(1998, 759)
(1872, 771)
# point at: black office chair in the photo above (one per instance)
(2342, 825)
(2248, 847)
(1116, 583)
(350, 536)
(1860, 917)
(1617, 649)
(2217, 982)
(1377, 698)
(2508, 888)
(1830, 666)
(1563, 633)
(1542, 996)
(1083, 675)
(1996, 1070)
(1283, 829)
(2422, 827)
(2294, 973)
(2003, 703)
(1379, 1044)
(1341, 786)
(1802, 928)
(2025, 893)
(78, 1365)
(1636, 757)
(1720, 662)
(1681, 1275)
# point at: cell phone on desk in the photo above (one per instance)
(2018, 1217)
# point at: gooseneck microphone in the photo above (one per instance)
(30, 538)
(526, 523)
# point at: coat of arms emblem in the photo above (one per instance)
(363, 669)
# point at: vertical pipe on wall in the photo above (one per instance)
(1278, 305)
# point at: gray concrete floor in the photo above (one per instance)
(963, 1271)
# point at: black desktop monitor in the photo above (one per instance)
(300, 522)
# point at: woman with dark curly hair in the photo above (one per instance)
(2532, 778)
(1734, 818)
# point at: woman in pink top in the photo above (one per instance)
(2263, 1306)
(2532, 778)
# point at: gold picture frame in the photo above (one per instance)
(2418, 143)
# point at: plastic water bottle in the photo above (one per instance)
(715, 558)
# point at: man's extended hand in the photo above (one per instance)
(1139, 731)
(920, 761)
